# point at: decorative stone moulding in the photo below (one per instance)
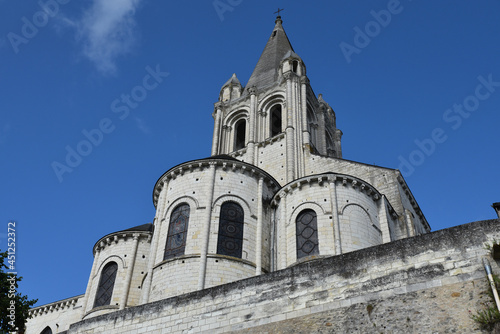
(113, 238)
(344, 180)
(224, 164)
(271, 140)
(101, 308)
(60, 305)
(239, 152)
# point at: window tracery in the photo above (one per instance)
(230, 237)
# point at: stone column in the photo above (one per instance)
(206, 231)
(290, 131)
(130, 269)
(217, 129)
(282, 235)
(226, 139)
(321, 130)
(258, 247)
(337, 139)
(252, 117)
(383, 219)
(305, 132)
(409, 223)
(91, 278)
(335, 216)
(157, 223)
(263, 128)
(273, 239)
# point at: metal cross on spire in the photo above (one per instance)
(279, 10)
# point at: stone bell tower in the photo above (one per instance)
(276, 121)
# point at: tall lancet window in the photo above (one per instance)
(239, 136)
(106, 285)
(177, 231)
(230, 238)
(276, 118)
(307, 234)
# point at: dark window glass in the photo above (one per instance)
(307, 234)
(106, 284)
(240, 135)
(230, 238)
(47, 330)
(275, 120)
(177, 232)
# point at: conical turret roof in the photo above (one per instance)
(232, 80)
(265, 72)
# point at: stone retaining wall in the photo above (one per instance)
(424, 284)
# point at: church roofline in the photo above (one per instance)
(203, 162)
(144, 229)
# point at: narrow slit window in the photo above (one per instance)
(240, 135)
(276, 120)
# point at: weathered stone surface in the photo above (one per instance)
(333, 295)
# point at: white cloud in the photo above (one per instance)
(107, 31)
(141, 125)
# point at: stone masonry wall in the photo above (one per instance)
(385, 180)
(424, 284)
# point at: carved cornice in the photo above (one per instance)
(55, 306)
(271, 140)
(218, 162)
(304, 80)
(114, 238)
(341, 179)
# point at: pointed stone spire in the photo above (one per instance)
(232, 80)
(231, 90)
(265, 72)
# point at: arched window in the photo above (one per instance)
(106, 284)
(295, 66)
(230, 238)
(239, 137)
(177, 231)
(47, 330)
(307, 234)
(276, 120)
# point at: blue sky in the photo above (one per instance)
(415, 85)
